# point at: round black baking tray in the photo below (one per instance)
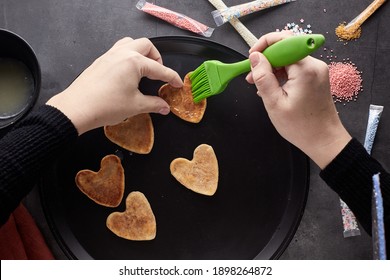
(263, 180)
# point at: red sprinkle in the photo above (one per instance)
(345, 81)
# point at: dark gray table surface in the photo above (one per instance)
(68, 35)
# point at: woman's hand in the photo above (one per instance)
(298, 101)
(107, 92)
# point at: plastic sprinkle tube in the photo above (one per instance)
(244, 32)
(225, 15)
(372, 125)
(350, 224)
(353, 30)
(174, 18)
(378, 227)
(357, 21)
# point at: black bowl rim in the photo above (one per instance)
(37, 86)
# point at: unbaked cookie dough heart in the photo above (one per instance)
(105, 187)
(182, 103)
(201, 173)
(135, 134)
(137, 222)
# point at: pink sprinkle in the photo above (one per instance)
(176, 19)
(345, 81)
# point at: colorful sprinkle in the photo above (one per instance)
(297, 29)
(350, 224)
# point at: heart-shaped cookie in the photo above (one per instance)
(135, 134)
(182, 103)
(201, 173)
(106, 187)
(137, 222)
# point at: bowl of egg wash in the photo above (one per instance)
(20, 78)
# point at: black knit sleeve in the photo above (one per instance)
(26, 149)
(350, 175)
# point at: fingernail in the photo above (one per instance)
(177, 83)
(164, 111)
(254, 59)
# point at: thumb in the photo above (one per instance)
(263, 76)
(152, 104)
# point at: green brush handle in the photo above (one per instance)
(237, 68)
(293, 49)
(283, 53)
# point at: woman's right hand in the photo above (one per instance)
(298, 101)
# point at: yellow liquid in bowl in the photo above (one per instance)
(16, 87)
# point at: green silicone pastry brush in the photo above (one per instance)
(213, 76)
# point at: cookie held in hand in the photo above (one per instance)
(137, 222)
(201, 173)
(135, 134)
(105, 187)
(182, 103)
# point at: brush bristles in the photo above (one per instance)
(200, 84)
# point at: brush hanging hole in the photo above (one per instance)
(311, 43)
